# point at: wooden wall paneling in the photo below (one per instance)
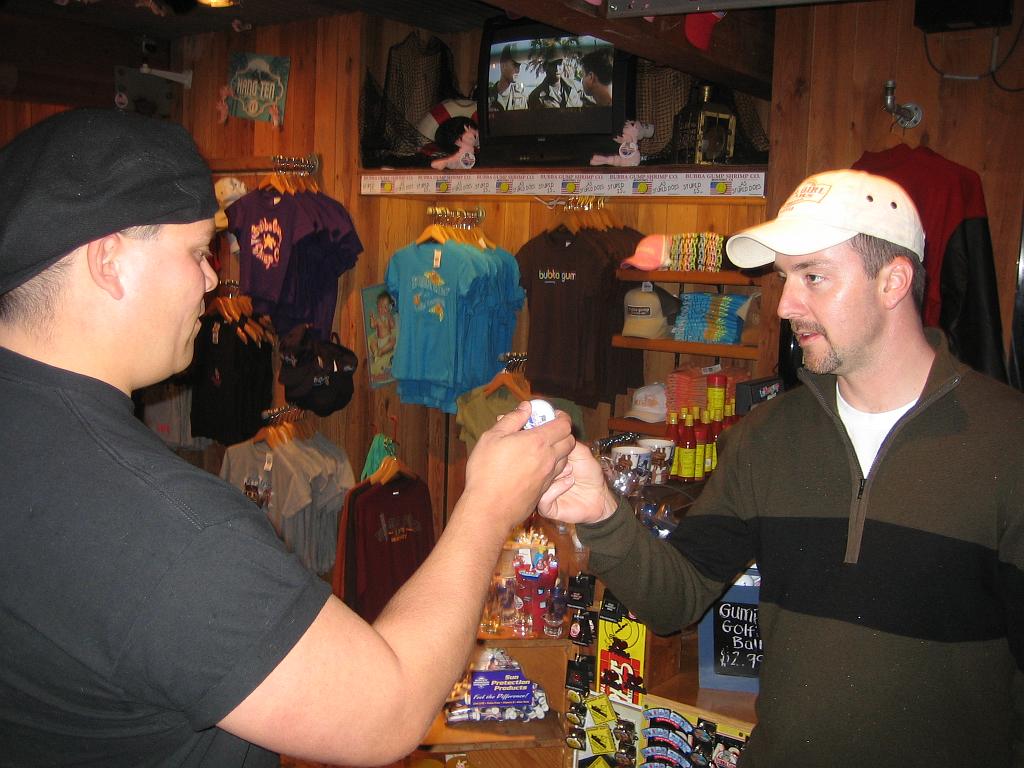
(883, 38)
(827, 100)
(336, 109)
(792, 75)
(662, 219)
(970, 122)
(16, 116)
(466, 49)
(197, 107)
(981, 127)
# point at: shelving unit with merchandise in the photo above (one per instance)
(658, 366)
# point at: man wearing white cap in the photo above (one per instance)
(882, 502)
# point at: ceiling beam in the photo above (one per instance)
(740, 56)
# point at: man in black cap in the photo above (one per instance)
(148, 613)
(506, 93)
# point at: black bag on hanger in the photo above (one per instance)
(317, 375)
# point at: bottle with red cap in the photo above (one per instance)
(730, 415)
(686, 453)
(714, 430)
(700, 433)
(672, 433)
(716, 395)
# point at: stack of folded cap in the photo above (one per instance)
(684, 387)
(710, 318)
(649, 314)
(688, 386)
(689, 251)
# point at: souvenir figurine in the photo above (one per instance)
(629, 145)
(464, 156)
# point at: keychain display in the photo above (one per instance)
(583, 628)
(580, 593)
(600, 733)
(579, 677)
(611, 609)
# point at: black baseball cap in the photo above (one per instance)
(86, 173)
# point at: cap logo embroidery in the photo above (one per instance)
(808, 193)
(638, 311)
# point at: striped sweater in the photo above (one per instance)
(892, 605)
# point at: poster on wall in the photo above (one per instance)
(258, 86)
(380, 325)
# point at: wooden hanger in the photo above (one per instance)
(274, 181)
(432, 232)
(288, 424)
(232, 308)
(390, 468)
(480, 239)
(513, 382)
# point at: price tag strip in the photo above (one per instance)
(718, 183)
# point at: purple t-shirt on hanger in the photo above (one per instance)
(267, 224)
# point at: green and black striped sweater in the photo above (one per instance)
(892, 606)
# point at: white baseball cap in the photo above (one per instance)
(227, 190)
(648, 404)
(827, 209)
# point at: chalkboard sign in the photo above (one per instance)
(729, 639)
(737, 640)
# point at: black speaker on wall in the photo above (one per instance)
(949, 15)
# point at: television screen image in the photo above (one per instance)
(566, 76)
(553, 72)
(549, 94)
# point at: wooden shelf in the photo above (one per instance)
(506, 638)
(737, 351)
(463, 737)
(726, 277)
(619, 424)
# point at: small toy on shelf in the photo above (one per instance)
(629, 145)
(464, 156)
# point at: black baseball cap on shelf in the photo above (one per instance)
(83, 174)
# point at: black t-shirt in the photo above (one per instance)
(232, 382)
(141, 599)
(575, 306)
(561, 274)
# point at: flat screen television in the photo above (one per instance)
(549, 97)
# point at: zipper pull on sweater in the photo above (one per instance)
(855, 531)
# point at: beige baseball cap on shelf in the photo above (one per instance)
(828, 209)
(649, 314)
